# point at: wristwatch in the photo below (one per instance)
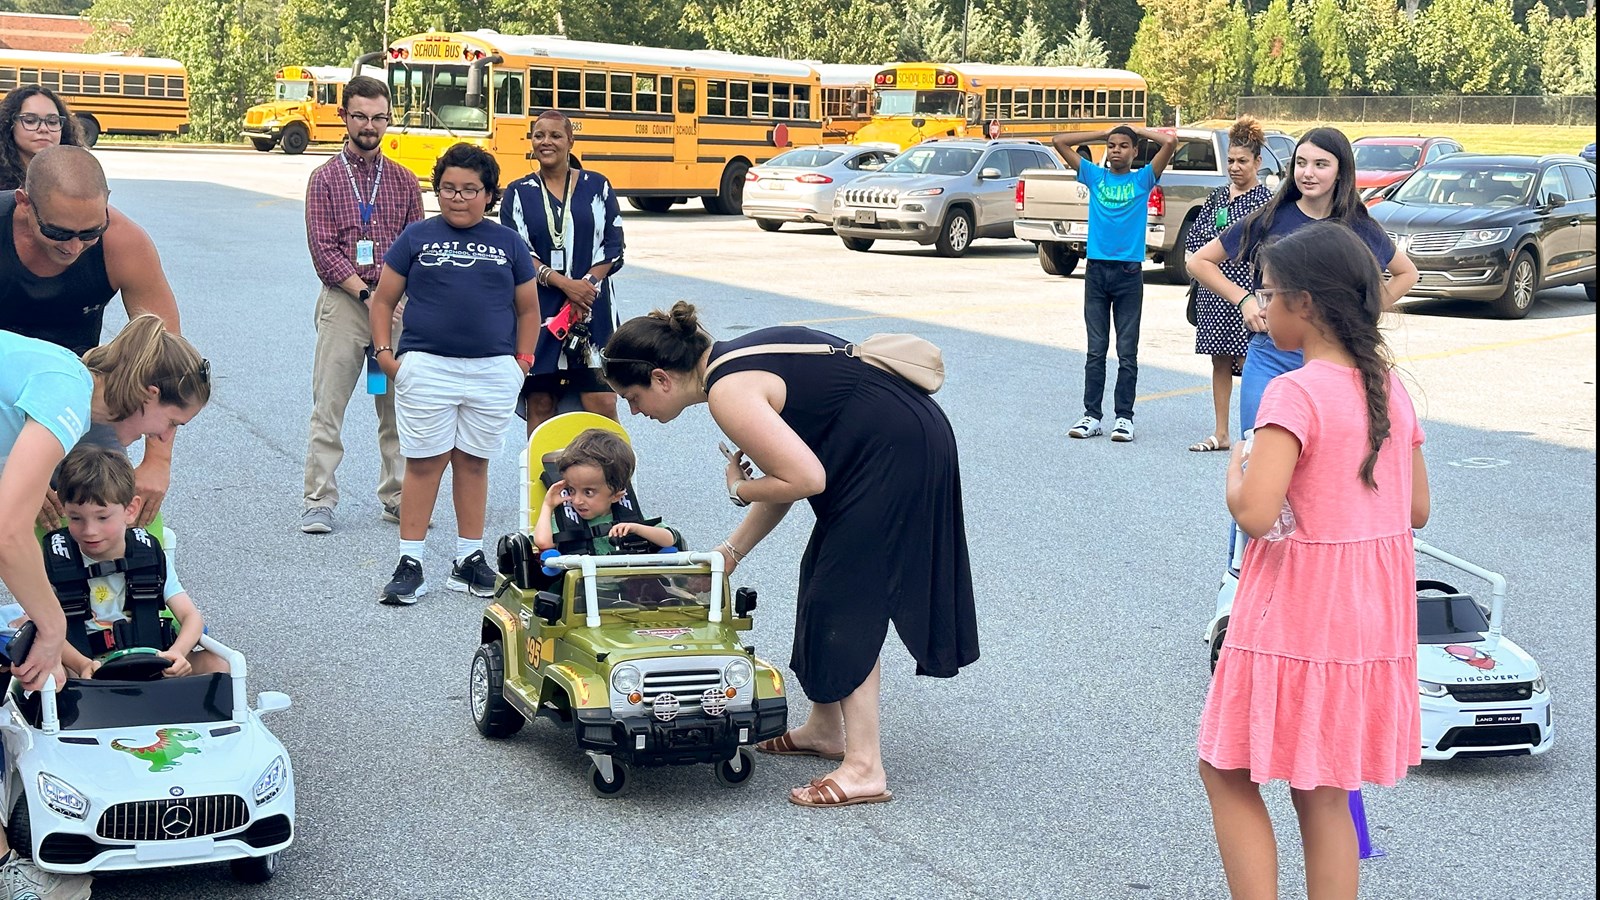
(733, 494)
(592, 280)
(365, 295)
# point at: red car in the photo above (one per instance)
(1382, 161)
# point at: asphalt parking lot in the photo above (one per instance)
(1060, 765)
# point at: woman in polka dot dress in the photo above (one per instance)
(1219, 329)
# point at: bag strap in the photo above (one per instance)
(760, 349)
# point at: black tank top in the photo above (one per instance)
(67, 309)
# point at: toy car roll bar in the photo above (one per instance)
(588, 564)
(1497, 583)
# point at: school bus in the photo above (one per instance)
(846, 99)
(662, 125)
(108, 93)
(916, 101)
(304, 109)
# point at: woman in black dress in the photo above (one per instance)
(876, 459)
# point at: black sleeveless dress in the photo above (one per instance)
(890, 542)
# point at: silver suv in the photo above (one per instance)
(940, 192)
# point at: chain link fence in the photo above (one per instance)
(1442, 109)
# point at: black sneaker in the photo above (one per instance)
(406, 585)
(473, 575)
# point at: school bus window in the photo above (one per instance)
(52, 80)
(644, 93)
(113, 83)
(802, 101)
(327, 94)
(621, 92)
(716, 97)
(761, 99)
(781, 108)
(568, 84)
(686, 97)
(508, 93)
(156, 85)
(739, 99)
(541, 89)
(1038, 104)
(594, 90)
(133, 85)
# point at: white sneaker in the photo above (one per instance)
(1122, 431)
(22, 880)
(1086, 427)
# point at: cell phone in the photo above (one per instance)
(726, 450)
(561, 323)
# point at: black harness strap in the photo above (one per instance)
(575, 536)
(64, 566)
(144, 569)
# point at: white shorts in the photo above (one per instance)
(444, 403)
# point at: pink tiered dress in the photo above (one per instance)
(1317, 681)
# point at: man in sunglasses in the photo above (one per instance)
(65, 252)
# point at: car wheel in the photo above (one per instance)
(622, 779)
(1589, 289)
(254, 869)
(955, 235)
(295, 139)
(1216, 642)
(651, 204)
(1520, 287)
(18, 829)
(860, 245)
(727, 777)
(1176, 264)
(1057, 259)
(90, 129)
(262, 144)
(769, 224)
(494, 717)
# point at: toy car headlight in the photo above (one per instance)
(62, 797)
(271, 782)
(1430, 689)
(738, 673)
(1539, 686)
(626, 679)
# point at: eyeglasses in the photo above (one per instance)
(463, 193)
(380, 119)
(62, 235)
(1264, 295)
(36, 122)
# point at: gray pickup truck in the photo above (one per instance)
(1053, 208)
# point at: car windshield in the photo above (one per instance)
(1459, 185)
(1387, 157)
(805, 158)
(89, 705)
(630, 593)
(1445, 618)
(935, 161)
(918, 103)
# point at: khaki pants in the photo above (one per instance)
(339, 365)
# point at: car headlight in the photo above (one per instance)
(62, 797)
(738, 673)
(1481, 237)
(925, 192)
(271, 782)
(1539, 686)
(1430, 689)
(626, 679)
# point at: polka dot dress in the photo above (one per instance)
(1219, 328)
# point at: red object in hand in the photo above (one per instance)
(561, 322)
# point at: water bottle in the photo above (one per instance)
(1285, 525)
(377, 382)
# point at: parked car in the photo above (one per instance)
(941, 192)
(1587, 153)
(1496, 228)
(1382, 161)
(1053, 208)
(798, 185)
(1282, 145)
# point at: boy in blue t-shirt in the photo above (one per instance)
(1113, 281)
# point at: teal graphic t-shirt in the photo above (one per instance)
(1117, 211)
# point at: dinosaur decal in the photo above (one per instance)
(164, 753)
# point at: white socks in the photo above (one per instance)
(465, 547)
(417, 550)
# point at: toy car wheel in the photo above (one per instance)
(1216, 643)
(19, 831)
(727, 777)
(494, 717)
(254, 869)
(622, 779)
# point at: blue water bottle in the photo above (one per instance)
(377, 382)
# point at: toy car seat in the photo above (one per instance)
(545, 446)
(132, 643)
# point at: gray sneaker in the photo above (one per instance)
(20, 879)
(391, 514)
(317, 520)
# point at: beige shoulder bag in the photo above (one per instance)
(912, 358)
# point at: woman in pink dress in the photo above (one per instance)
(1317, 681)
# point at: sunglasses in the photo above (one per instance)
(62, 235)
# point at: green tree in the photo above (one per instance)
(1567, 57)
(1471, 46)
(1117, 22)
(856, 32)
(1231, 77)
(925, 33)
(1382, 56)
(1031, 45)
(1277, 61)
(1330, 48)
(649, 23)
(991, 38)
(1179, 49)
(1081, 48)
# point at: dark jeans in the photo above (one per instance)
(1113, 293)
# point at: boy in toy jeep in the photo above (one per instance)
(111, 578)
(589, 510)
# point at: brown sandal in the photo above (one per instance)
(828, 793)
(784, 745)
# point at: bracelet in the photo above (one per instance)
(377, 350)
(1249, 296)
(737, 556)
(542, 276)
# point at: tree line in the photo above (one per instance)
(1198, 54)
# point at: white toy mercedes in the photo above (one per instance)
(1482, 695)
(131, 770)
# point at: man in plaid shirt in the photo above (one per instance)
(356, 205)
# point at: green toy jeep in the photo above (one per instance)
(640, 654)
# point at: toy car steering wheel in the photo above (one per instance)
(133, 664)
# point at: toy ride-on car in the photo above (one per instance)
(131, 770)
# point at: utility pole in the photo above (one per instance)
(966, 15)
(386, 25)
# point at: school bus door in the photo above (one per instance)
(326, 124)
(686, 123)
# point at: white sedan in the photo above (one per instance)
(798, 185)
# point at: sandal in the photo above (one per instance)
(1209, 444)
(828, 793)
(784, 745)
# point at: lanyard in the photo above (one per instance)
(366, 208)
(556, 225)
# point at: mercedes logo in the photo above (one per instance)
(175, 791)
(177, 821)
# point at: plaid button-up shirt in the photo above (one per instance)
(333, 214)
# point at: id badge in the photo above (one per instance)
(364, 255)
(558, 259)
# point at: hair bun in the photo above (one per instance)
(1247, 131)
(683, 319)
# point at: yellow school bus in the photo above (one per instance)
(304, 109)
(846, 99)
(108, 93)
(662, 125)
(916, 101)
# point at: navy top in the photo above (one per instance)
(460, 287)
(1290, 219)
